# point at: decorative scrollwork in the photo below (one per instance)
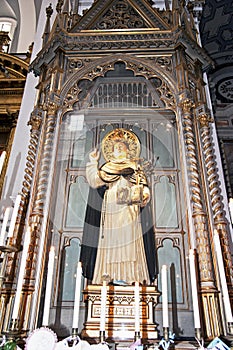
(72, 96)
(121, 15)
(167, 96)
(140, 69)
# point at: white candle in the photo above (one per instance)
(164, 297)
(231, 209)
(77, 295)
(2, 160)
(48, 290)
(21, 275)
(193, 276)
(226, 299)
(14, 216)
(137, 307)
(103, 306)
(4, 226)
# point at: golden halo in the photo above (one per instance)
(121, 135)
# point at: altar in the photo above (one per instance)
(120, 313)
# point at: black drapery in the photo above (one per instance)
(92, 228)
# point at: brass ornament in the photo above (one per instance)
(205, 119)
(186, 105)
(121, 135)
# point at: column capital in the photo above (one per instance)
(205, 119)
(50, 107)
(203, 115)
(35, 119)
(186, 104)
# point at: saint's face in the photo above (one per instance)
(120, 150)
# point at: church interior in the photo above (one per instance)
(116, 173)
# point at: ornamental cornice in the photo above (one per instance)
(109, 40)
(118, 35)
(193, 49)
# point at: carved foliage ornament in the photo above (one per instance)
(120, 16)
(166, 94)
(205, 119)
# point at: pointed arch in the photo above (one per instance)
(140, 67)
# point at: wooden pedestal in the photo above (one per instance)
(120, 320)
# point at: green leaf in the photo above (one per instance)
(10, 345)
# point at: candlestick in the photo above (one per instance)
(14, 216)
(4, 226)
(137, 307)
(48, 291)
(77, 296)
(2, 159)
(164, 296)
(103, 306)
(196, 315)
(21, 274)
(226, 299)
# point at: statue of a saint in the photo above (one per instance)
(118, 240)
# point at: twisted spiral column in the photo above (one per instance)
(208, 291)
(12, 260)
(44, 168)
(37, 219)
(199, 216)
(38, 197)
(45, 161)
(220, 221)
(35, 122)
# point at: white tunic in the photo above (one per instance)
(120, 251)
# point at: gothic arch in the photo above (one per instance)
(141, 67)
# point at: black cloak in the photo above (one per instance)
(92, 228)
